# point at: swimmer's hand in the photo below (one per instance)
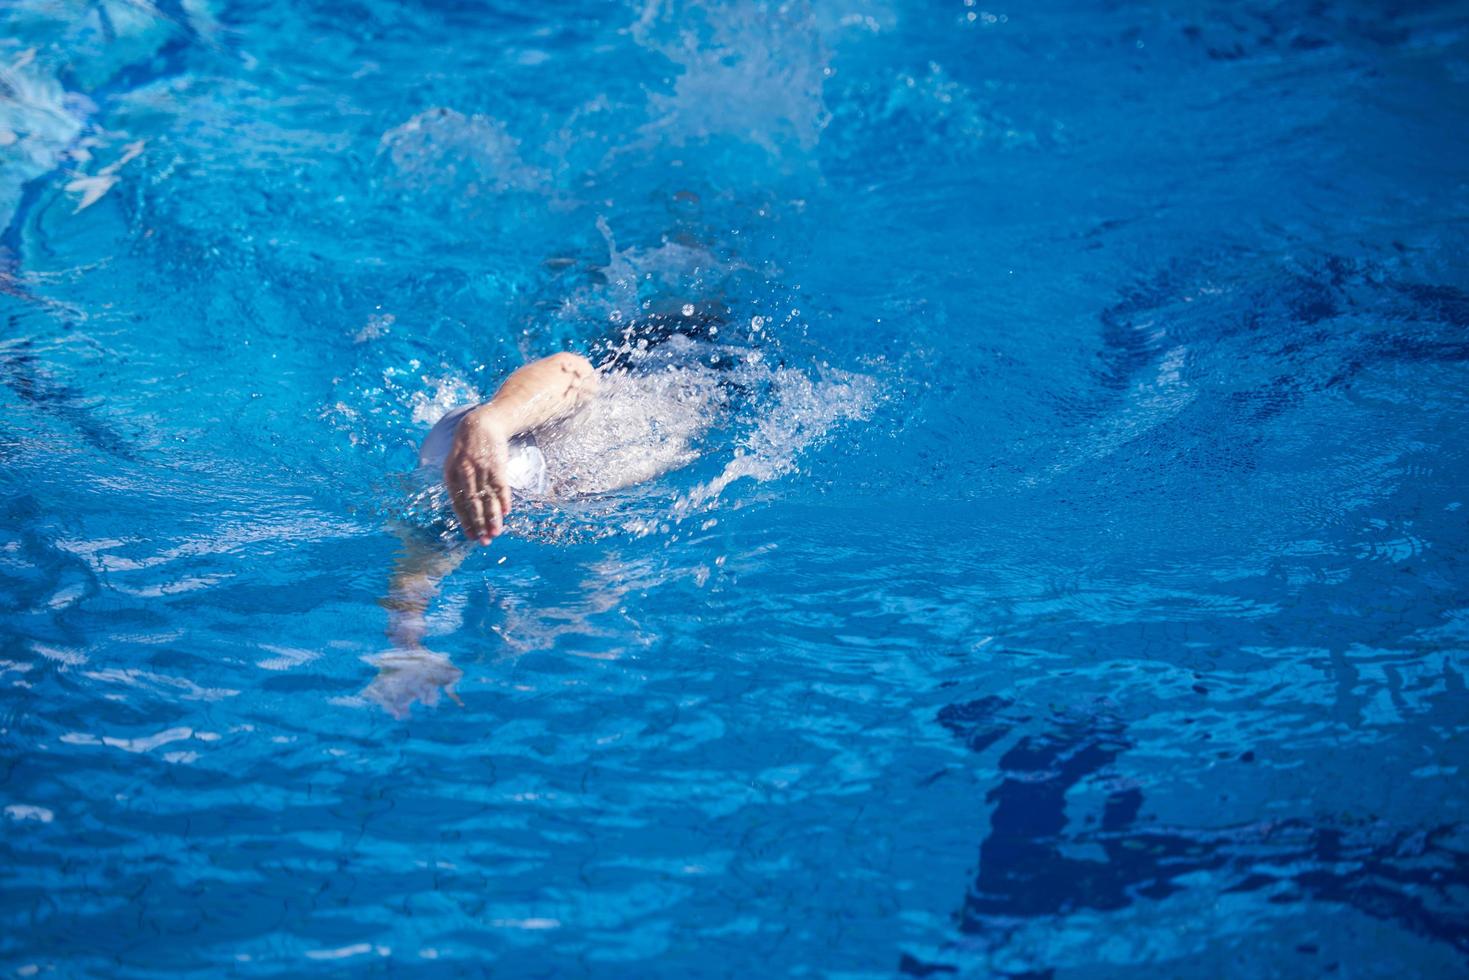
(474, 472)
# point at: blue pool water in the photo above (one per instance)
(1072, 577)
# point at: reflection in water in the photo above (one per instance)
(408, 676)
(577, 627)
(411, 673)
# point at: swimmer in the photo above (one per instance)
(557, 428)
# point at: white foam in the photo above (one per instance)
(640, 426)
(448, 393)
(801, 412)
(25, 811)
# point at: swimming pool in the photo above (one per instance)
(1077, 583)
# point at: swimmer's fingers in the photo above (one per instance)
(494, 514)
(485, 499)
(475, 477)
(501, 491)
(464, 493)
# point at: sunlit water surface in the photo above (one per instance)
(1060, 567)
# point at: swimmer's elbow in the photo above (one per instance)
(583, 375)
(570, 361)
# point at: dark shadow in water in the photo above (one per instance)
(1029, 868)
(1326, 320)
(24, 373)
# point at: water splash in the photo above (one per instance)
(446, 393)
(751, 71)
(800, 413)
(644, 423)
(440, 151)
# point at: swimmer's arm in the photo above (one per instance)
(539, 393)
(535, 395)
